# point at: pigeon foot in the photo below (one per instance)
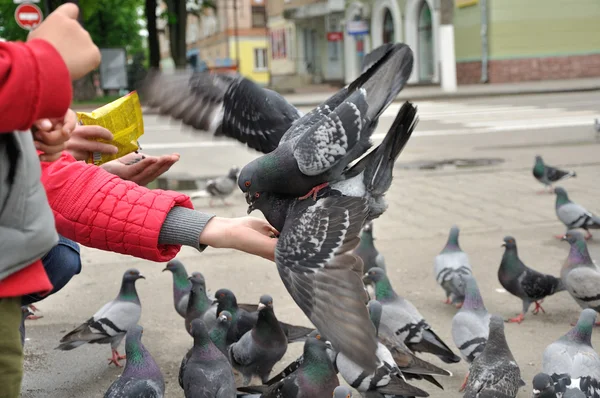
(517, 319)
(538, 307)
(459, 305)
(116, 357)
(32, 317)
(464, 383)
(447, 301)
(33, 308)
(559, 237)
(313, 192)
(588, 235)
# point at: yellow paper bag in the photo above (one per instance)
(123, 118)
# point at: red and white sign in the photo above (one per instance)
(335, 36)
(28, 16)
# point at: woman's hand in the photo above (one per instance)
(248, 234)
(140, 168)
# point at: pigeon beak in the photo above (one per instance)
(564, 237)
(248, 198)
(503, 245)
(140, 276)
(166, 269)
(261, 306)
(250, 209)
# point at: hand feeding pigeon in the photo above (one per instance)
(401, 316)
(366, 249)
(494, 373)
(220, 187)
(314, 378)
(525, 283)
(580, 275)
(450, 268)
(548, 175)
(259, 349)
(111, 322)
(207, 373)
(556, 386)
(141, 376)
(319, 146)
(573, 215)
(387, 379)
(181, 285)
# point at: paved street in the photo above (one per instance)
(486, 202)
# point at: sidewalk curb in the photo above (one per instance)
(468, 95)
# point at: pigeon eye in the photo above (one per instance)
(132, 273)
(257, 195)
(247, 184)
(318, 337)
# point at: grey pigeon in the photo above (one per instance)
(111, 322)
(342, 392)
(198, 304)
(401, 316)
(219, 188)
(181, 285)
(527, 284)
(318, 147)
(494, 373)
(579, 273)
(562, 386)
(141, 376)
(450, 268)
(470, 325)
(366, 249)
(387, 379)
(573, 215)
(218, 334)
(207, 372)
(548, 175)
(573, 353)
(314, 378)
(261, 348)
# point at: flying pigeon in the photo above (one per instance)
(342, 392)
(141, 376)
(523, 282)
(318, 147)
(207, 373)
(387, 378)
(181, 285)
(573, 215)
(562, 386)
(450, 268)
(111, 322)
(548, 175)
(244, 317)
(580, 275)
(261, 348)
(219, 188)
(494, 373)
(315, 376)
(401, 316)
(366, 249)
(218, 334)
(198, 304)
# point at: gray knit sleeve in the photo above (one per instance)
(183, 226)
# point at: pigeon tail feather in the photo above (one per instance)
(397, 386)
(432, 344)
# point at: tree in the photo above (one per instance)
(177, 26)
(153, 44)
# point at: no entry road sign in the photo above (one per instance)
(28, 16)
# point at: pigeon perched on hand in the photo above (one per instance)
(580, 275)
(401, 316)
(366, 249)
(495, 372)
(525, 283)
(548, 175)
(573, 215)
(219, 188)
(261, 348)
(451, 266)
(111, 322)
(318, 147)
(142, 376)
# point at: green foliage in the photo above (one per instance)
(9, 29)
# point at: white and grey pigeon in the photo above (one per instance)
(367, 251)
(142, 376)
(387, 379)
(471, 324)
(207, 373)
(111, 322)
(495, 372)
(401, 316)
(580, 275)
(548, 175)
(562, 386)
(219, 188)
(572, 215)
(342, 392)
(573, 354)
(450, 268)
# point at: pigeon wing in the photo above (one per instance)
(573, 215)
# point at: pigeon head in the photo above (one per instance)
(315, 350)
(582, 331)
(198, 330)
(509, 243)
(496, 344)
(198, 281)
(573, 237)
(375, 311)
(248, 179)
(226, 299)
(133, 341)
(265, 301)
(274, 207)
(132, 275)
(561, 195)
(233, 173)
(543, 386)
(578, 253)
(538, 159)
(452, 243)
(174, 266)
(473, 300)
(224, 318)
(368, 228)
(383, 288)
(374, 275)
(342, 392)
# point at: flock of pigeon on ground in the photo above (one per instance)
(320, 187)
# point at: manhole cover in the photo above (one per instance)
(450, 164)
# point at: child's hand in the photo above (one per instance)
(139, 168)
(50, 135)
(248, 234)
(82, 142)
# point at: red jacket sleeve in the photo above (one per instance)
(100, 210)
(34, 84)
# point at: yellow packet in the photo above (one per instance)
(123, 117)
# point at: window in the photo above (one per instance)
(259, 19)
(260, 59)
(279, 43)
